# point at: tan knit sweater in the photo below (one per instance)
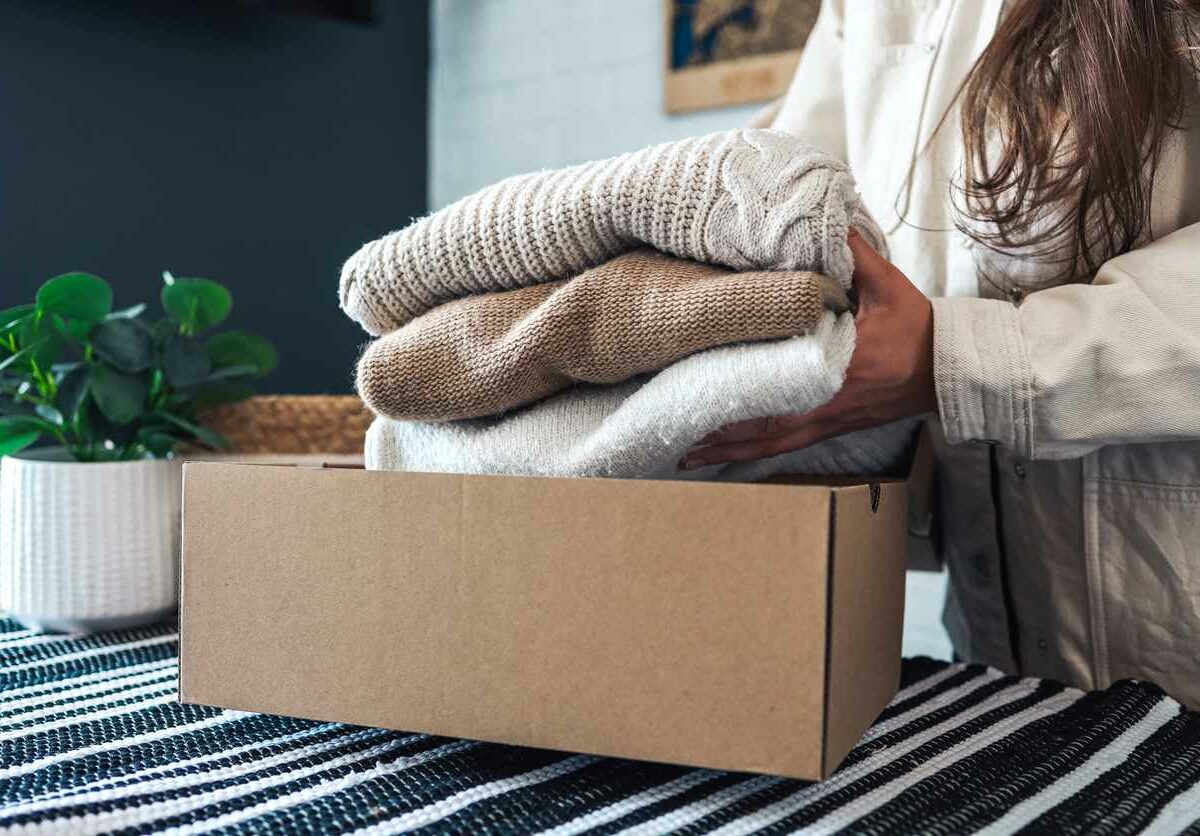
(639, 312)
(749, 199)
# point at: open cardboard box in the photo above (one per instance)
(733, 626)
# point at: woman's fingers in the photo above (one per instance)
(736, 451)
(755, 428)
(802, 431)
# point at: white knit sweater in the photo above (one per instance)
(643, 427)
(748, 199)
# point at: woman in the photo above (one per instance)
(1036, 165)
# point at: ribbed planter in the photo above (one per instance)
(88, 546)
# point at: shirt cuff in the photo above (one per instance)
(981, 372)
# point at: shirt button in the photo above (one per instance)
(929, 49)
(1020, 470)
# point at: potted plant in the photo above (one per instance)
(93, 404)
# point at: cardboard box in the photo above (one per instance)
(739, 627)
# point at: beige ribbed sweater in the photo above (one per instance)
(640, 312)
(749, 199)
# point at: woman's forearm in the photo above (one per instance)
(1076, 367)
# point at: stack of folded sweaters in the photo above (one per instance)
(599, 320)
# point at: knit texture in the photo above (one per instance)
(748, 199)
(638, 313)
(643, 427)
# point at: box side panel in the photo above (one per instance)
(866, 616)
(663, 621)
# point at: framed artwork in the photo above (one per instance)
(728, 52)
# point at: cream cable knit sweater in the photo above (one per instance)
(748, 199)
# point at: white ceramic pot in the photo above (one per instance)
(88, 546)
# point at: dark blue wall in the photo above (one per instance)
(212, 139)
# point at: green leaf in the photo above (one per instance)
(185, 361)
(19, 431)
(157, 440)
(214, 394)
(101, 428)
(72, 389)
(163, 329)
(237, 348)
(11, 315)
(50, 414)
(204, 434)
(45, 334)
(120, 396)
(26, 422)
(132, 312)
(230, 372)
(17, 324)
(196, 304)
(15, 441)
(73, 330)
(124, 343)
(16, 407)
(76, 296)
(22, 357)
(13, 383)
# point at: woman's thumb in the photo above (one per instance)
(870, 268)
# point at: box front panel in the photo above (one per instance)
(666, 621)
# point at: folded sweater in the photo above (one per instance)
(747, 199)
(642, 427)
(640, 312)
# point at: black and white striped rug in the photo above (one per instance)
(92, 740)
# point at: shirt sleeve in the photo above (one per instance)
(1076, 367)
(814, 107)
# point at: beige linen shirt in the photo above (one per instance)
(1068, 446)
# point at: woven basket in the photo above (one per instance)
(292, 424)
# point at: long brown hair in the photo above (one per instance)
(1063, 120)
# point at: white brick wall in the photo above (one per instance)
(520, 85)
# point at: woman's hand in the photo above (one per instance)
(890, 374)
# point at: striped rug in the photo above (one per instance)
(92, 740)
